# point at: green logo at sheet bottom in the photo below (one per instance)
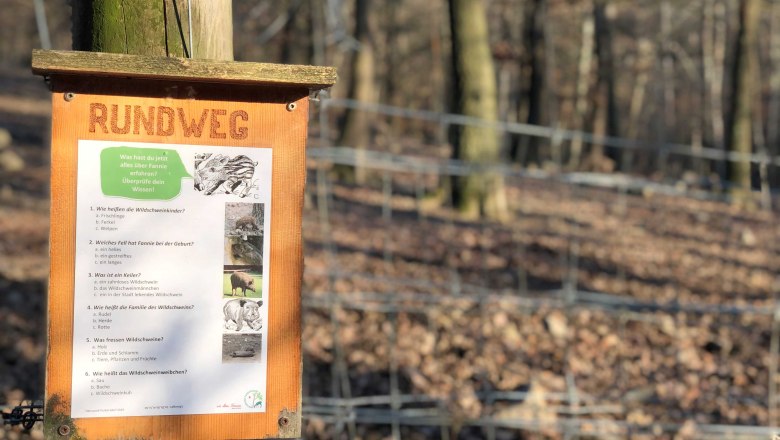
(253, 399)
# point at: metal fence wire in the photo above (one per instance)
(611, 306)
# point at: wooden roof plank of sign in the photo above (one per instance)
(56, 62)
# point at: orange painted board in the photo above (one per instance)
(90, 109)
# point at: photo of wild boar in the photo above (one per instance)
(242, 281)
(241, 348)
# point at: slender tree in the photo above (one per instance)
(525, 148)
(583, 84)
(356, 132)
(605, 116)
(296, 46)
(154, 27)
(668, 99)
(773, 130)
(713, 49)
(743, 92)
(479, 193)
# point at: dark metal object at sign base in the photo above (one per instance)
(25, 415)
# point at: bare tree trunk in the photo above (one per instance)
(667, 67)
(643, 66)
(475, 90)
(356, 131)
(553, 108)
(391, 90)
(504, 91)
(150, 27)
(524, 149)
(745, 65)
(713, 56)
(318, 46)
(664, 89)
(773, 128)
(583, 85)
(296, 48)
(605, 118)
(395, 46)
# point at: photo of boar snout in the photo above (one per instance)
(242, 280)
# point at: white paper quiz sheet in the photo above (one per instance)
(171, 279)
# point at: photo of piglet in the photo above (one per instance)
(244, 233)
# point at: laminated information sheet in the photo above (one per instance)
(171, 285)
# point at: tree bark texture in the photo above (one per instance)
(667, 67)
(475, 95)
(583, 86)
(744, 74)
(154, 27)
(773, 130)
(356, 132)
(525, 148)
(297, 47)
(713, 56)
(605, 116)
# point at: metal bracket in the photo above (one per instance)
(25, 415)
(317, 95)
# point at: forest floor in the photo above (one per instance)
(474, 303)
(693, 348)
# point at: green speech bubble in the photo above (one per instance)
(141, 173)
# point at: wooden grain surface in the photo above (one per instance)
(52, 62)
(271, 125)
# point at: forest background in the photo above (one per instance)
(592, 251)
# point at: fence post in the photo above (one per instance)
(774, 347)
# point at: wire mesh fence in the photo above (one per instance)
(610, 306)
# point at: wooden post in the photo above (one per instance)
(152, 27)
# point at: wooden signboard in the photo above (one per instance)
(176, 257)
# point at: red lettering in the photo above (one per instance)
(94, 119)
(215, 124)
(235, 131)
(139, 118)
(162, 130)
(194, 128)
(115, 118)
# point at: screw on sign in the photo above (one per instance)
(63, 430)
(25, 415)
